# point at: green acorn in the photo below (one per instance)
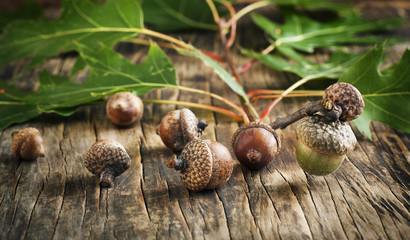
(322, 146)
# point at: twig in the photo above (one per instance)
(310, 109)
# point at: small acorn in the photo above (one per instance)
(345, 97)
(124, 109)
(107, 159)
(203, 164)
(255, 144)
(322, 146)
(28, 143)
(178, 127)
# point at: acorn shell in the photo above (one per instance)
(124, 109)
(222, 164)
(255, 144)
(28, 143)
(198, 165)
(322, 146)
(347, 97)
(107, 154)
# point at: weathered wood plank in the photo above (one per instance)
(56, 197)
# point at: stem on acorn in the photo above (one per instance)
(310, 109)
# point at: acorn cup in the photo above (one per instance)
(322, 146)
(344, 97)
(107, 159)
(203, 164)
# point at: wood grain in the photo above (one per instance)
(57, 198)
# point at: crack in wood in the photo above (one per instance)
(33, 209)
(14, 215)
(144, 198)
(249, 203)
(335, 206)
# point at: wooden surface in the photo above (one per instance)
(57, 198)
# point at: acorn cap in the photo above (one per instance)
(347, 97)
(178, 127)
(107, 154)
(198, 165)
(334, 138)
(189, 125)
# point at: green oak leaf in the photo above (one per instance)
(81, 21)
(110, 73)
(333, 68)
(175, 15)
(386, 94)
(28, 11)
(305, 34)
(222, 73)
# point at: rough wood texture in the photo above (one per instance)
(57, 198)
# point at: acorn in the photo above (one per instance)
(203, 164)
(28, 143)
(322, 146)
(255, 144)
(124, 109)
(107, 159)
(179, 127)
(345, 97)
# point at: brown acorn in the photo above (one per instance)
(255, 144)
(107, 159)
(322, 146)
(28, 144)
(203, 164)
(178, 127)
(124, 109)
(346, 97)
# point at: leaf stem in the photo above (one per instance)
(148, 43)
(214, 11)
(257, 92)
(232, 35)
(248, 9)
(213, 95)
(170, 39)
(286, 92)
(247, 66)
(197, 105)
(249, 110)
(255, 99)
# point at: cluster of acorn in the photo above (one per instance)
(324, 138)
(106, 158)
